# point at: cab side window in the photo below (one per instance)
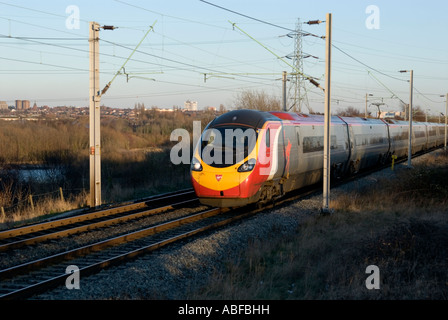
(268, 138)
(298, 136)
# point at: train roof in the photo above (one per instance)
(252, 118)
(362, 121)
(303, 118)
(256, 119)
(406, 123)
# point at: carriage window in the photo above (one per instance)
(420, 134)
(314, 144)
(432, 132)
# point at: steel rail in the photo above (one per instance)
(14, 238)
(90, 226)
(20, 231)
(102, 245)
(59, 279)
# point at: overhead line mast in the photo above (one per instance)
(94, 113)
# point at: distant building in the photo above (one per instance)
(390, 114)
(191, 105)
(3, 105)
(25, 104)
(18, 104)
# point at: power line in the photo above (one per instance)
(28, 39)
(366, 65)
(259, 20)
(195, 67)
(40, 38)
(37, 26)
(246, 16)
(387, 88)
(34, 39)
(43, 64)
(291, 30)
(424, 96)
(36, 10)
(245, 63)
(169, 16)
(122, 67)
(309, 78)
(31, 39)
(373, 51)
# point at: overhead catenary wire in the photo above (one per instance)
(198, 67)
(43, 64)
(40, 38)
(130, 56)
(256, 19)
(30, 39)
(166, 15)
(246, 16)
(387, 88)
(305, 33)
(424, 96)
(376, 70)
(309, 78)
(195, 68)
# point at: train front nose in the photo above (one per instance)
(213, 183)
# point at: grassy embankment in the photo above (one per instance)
(135, 161)
(399, 225)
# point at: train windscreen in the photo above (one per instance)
(225, 146)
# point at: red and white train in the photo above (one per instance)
(248, 156)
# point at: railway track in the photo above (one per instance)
(30, 278)
(35, 233)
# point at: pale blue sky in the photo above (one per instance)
(190, 38)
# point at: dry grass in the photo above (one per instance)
(423, 187)
(43, 208)
(401, 226)
(135, 160)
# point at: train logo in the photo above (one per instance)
(218, 177)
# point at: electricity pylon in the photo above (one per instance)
(297, 90)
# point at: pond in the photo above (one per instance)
(34, 173)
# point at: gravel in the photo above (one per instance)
(179, 269)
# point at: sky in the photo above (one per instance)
(212, 51)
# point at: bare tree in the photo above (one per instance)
(349, 112)
(417, 112)
(258, 100)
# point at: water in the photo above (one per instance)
(39, 174)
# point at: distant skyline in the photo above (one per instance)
(194, 53)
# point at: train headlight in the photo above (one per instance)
(247, 166)
(196, 165)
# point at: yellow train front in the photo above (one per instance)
(234, 159)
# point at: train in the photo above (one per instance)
(250, 156)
